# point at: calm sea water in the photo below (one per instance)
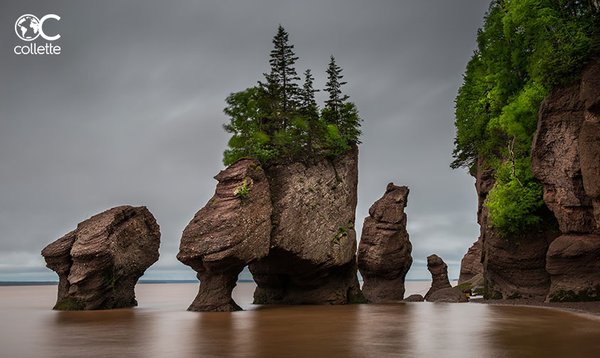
(160, 327)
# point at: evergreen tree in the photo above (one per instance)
(278, 121)
(525, 48)
(310, 112)
(338, 111)
(281, 89)
(335, 103)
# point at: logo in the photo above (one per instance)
(28, 28)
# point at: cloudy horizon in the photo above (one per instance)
(131, 112)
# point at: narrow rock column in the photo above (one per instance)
(384, 251)
(439, 274)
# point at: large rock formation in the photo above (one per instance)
(99, 263)
(384, 250)
(566, 159)
(439, 275)
(232, 230)
(292, 224)
(470, 265)
(313, 243)
(513, 267)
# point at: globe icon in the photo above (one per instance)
(27, 27)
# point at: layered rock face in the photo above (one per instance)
(232, 230)
(470, 265)
(384, 251)
(313, 242)
(100, 262)
(513, 267)
(566, 159)
(439, 275)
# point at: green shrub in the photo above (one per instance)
(525, 48)
(243, 190)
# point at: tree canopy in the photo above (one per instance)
(525, 48)
(279, 120)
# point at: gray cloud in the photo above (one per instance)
(131, 111)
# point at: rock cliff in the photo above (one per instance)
(560, 260)
(470, 265)
(312, 256)
(384, 251)
(512, 267)
(232, 230)
(99, 263)
(566, 159)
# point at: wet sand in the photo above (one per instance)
(590, 308)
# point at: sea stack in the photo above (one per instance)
(312, 255)
(100, 262)
(232, 230)
(292, 224)
(439, 275)
(384, 251)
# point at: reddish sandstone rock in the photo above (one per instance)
(512, 267)
(99, 263)
(566, 159)
(414, 298)
(574, 264)
(439, 274)
(384, 252)
(449, 295)
(470, 265)
(232, 230)
(312, 256)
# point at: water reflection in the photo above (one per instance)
(161, 328)
(97, 333)
(547, 333)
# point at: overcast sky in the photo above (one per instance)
(131, 112)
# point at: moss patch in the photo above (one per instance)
(590, 294)
(69, 304)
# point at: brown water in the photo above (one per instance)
(160, 327)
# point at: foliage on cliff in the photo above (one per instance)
(279, 121)
(525, 48)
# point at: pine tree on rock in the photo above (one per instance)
(281, 88)
(278, 121)
(339, 112)
(310, 112)
(335, 103)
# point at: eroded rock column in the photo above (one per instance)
(384, 251)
